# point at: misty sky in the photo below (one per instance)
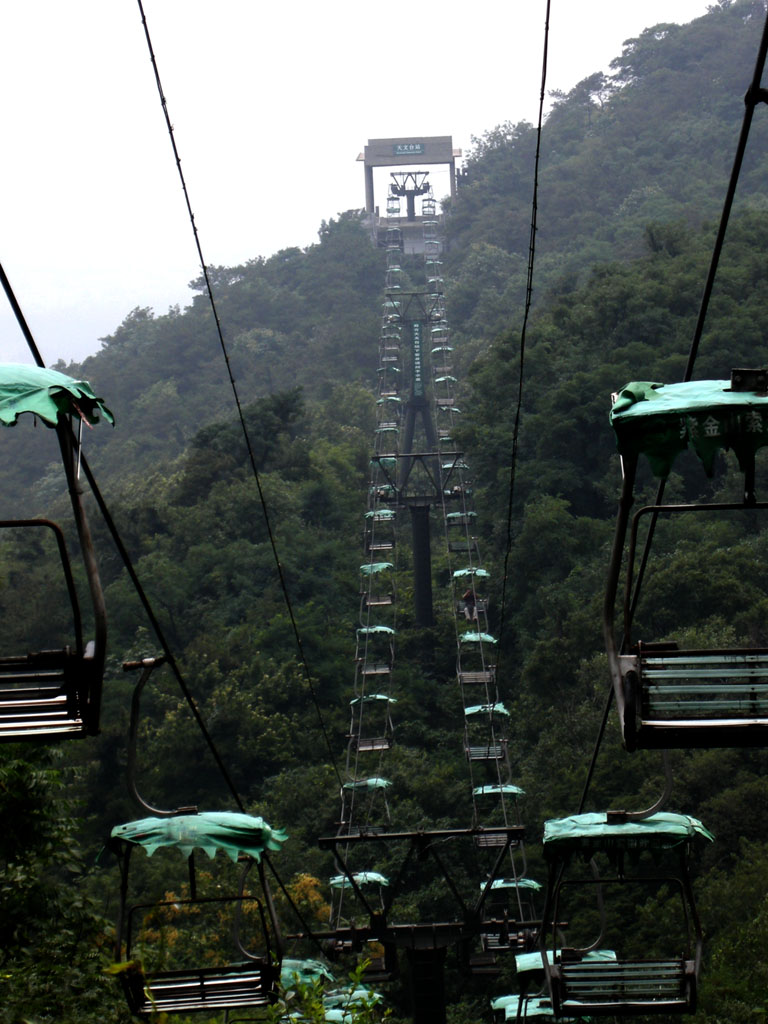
(271, 104)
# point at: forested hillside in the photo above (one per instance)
(635, 166)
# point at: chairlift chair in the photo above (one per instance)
(582, 984)
(669, 697)
(190, 983)
(55, 694)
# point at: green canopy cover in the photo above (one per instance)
(532, 961)
(513, 883)
(373, 567)
(662, 830)
(533, 1008)
(475, 638)
(47, 394)
(375, 783)
(488, 709)
(361, 878)
(661, 420)
(370, 698)
(211, 831)
(506, 789)
(304, 971)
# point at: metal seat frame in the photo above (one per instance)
(669, 698)
(56, 694)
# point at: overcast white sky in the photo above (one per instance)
(271, 103)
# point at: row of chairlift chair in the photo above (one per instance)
(666, 698)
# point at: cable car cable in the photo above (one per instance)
(236, 396)
(528, 301)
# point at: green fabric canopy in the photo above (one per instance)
(342, 997)
(303, 971)
(368, 630)
(593, 831)
(475, 638)
(373, 567)
(506, 789)
(661, 420)
(481, 574)
(211, 831)
(525, 962)
(513, 883)
(47, 394)
(361, 878)
(488, 709)
(381, 514)
(533, 1008)
(375, 783)
(371, 698)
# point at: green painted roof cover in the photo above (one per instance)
(46, 394)
(488, 709)
(370, 698)
(481, 574)
(533, 962)
(513, 883)
(292, 971)
(375, 783)
(475, 638)
(593, 831)
(660, 420)
(446, 377)
(367, 630)
(229, 831)
(533, 1008)
(381, 514)
(539, 1008)
(372, 567)
(342, 997)
(334, 1015)
(361, 878)
(457, 515)
(495, 790)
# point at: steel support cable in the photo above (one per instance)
(236, 396)
(755, 94)
(526, 314)
(108, 520)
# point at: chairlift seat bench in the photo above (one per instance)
(46, 693)
(623, 987)
(207, 988)
(696, 698)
